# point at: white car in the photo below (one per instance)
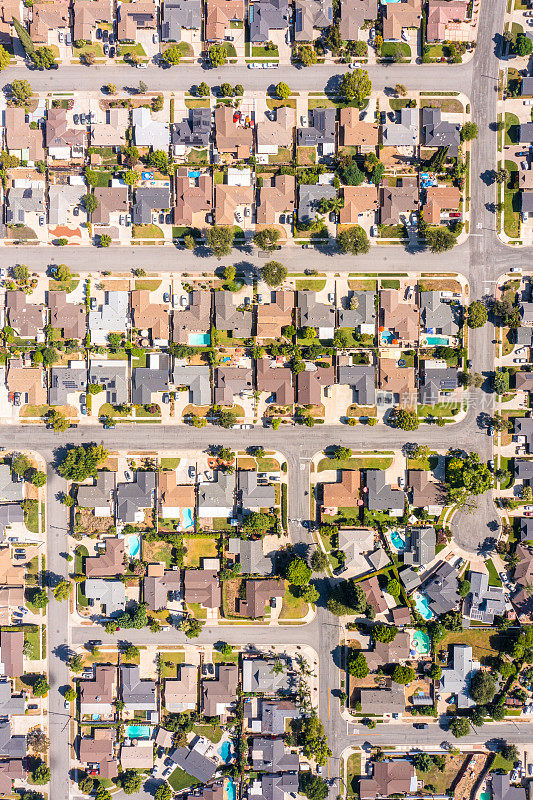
(519, 360)
(303, 120)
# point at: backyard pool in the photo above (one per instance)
(397, 541)
(199, 339)
(188, 519)
(225, 752)
(484, 796)
(133, 545)
(437, 340)
(231, 790)
(386, 337)
(138, 731)
(422, 606)
(421, 643)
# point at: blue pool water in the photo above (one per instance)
(225, 752)
(133, 544)
(398, 541)
(225, 359)
(199, 339)
(437, 340)
(138, 731)
(96, 717)
(484, 796)
(386, 337)
(188, 519)
(231, 790)
(195, 173)
(422, 606)
(421, 643)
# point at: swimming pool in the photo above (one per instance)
(421, 643)
(484, 796)
(199, 339)
(188, 519)
(95, 717)
(133, 544)
(138, 731)
(225, 752)
(437, 340)
(386, 337)
(231, 790)
(398, 541)
(422, 606)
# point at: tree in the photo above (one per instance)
(189, 242)
(310, 594)
(130, 155)
(283, 91)
(75, 664)
(502, 175)
(41, 687)
(404, 418)
(238, 90)
(158, 159)
(39, 598)
(43, 58)
(509, 752)
(403, 675)
(459, 726)
(464, 588)
(82, 462)
(226, 90)
(163, 792)
(435, 672)
(394, 588)
(340, 453)
(312, 786)
(350, 174)
(88, 58)
(440, 239)
(477, 314)
(130, 653)
(356, 86)
(90, 201)
(482, 687)
(508, 313)
(105, 238)
(70, 694)
(21, 464)
(21, 92)
(267, 239)
(220, 239)
(466, 475)
(172, 55)
(86, 785)
(353, 240)
(131, 781)
(37, 740)
(357, 665)
(57, 420)
(41, 774)
(311, 737)
(400, 90)
(319, 561)
(218, 55)
(384, 633)
(62, 273)
(423, 761)
(203, 90)
(256, 522)
(298, 572)
(273, 273)
(111, 88)
(191, 627)
(469, 131)
(524, 45)
(4, 58)
(224, 649)
(306, 55)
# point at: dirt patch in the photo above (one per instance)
(115, 286)
(87, 523)
(439, 285)
(232, 595)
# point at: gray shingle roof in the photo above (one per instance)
(381, 496)
(403, 132)
(484, 601)
(135, 496)
(251, 558)
(10, 490)
(314, 314)
(113, 378)
(435, 381)
(178, 14)
(110, 594)
(198, 381)
(258, 676)
(321, 129)
(147, 380)
(422, 543)
(23, 201)
(267, 15)
(456, 679)
(309, 197)
(364, 314)
(195, 130)
(362, 379)
(437, 132)
(441, 317)
(441, 588)
(194, 762)
(270, 755)
(251, 494)
(13, 746)
(228, 317)
(148, 199)
(64, 380)
(137, 693)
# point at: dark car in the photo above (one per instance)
(98, 33)
(76, 119)
(111, 39)
(106, 49)
(420, 725)
(105, 35)
(111, 52)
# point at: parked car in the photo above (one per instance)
(192, 471)
(106, 49)
(523, 165)
(184, 300)
(111, 52)
(166, 297)
(98, 33)
(166, 398)
(76, 119)
(111, 39)
(105, 35)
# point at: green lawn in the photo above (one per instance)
(438, 410)
(151, 285)
(31, 635)
(101, 178)
(31, 515)
(494, 579)
(169, 463)
(127, 49)
(211, 732)
(180, 780)
(423, 463)
(202, 547)
(501, 763)
(353, 772)
(388, 49)
(293, 607)
(147, 232)
(511, 201)
(512, 129)
(169, 662)
(310, 285)
(392, 231)
(262, 52)
(365, 462)
(197, 610)
(94, 47)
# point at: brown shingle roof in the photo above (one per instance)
(147, 315)
(373, 593)
(28, 380)
(440, 198)
(389, 652)
(219, 14)
(223, 690)
(19, 135)
(141, 14)
(228, 199)
(272, 317)
(440, 13)
(357, 200)
(87, 13)
(191, 200)
(343, 493)
(399, 380)
(354, 133)
(25, 318)
(276, 196)
(311, 383)
(390, 778)
(394, 200)
(401, 318)
(425, 492)
(202, 586)
(195, 319)
(173, 494)
(109, 563)
(110, 199)
(71, 318)
(101, 689)
(353, 14)
(279, 131)
(258, 595)
(277, 381)
(401, 15)
(98, 749)
(231, 137)
(48, 17)
(11, 644)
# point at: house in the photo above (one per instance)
(65, 381)
(396, 200)
(442, 19)
(381, 496)
(456, 678)
(273, 715)
(47, 20)
(220, 695)
(134, 16)
(194, 320)
(421, 549)
(10, 596)
(193, 759)
(389, 652)
(98, 694)
(265, 16)
(353, 15)
(398, 16)
(270, 755)
(441, 589)
(22, 141)
(112, 202)
(11, 574)
(309, 197)
(23, 202)
(110, 562)
(28, 381)
(70, 319)
(354, 543)
(358, 200)
(389, 778)
(229, 200)
(310, 15)
(353, 132)
(98, 750)
(159, 583)
(523, 431)
(259, 676)
(113, 378)
(64, 199)
(173, 497)
(312, 381)
(11, 491)
(12, 662)
(219, 16)
(525, 132)
(194, 201)
(9, 9)
(215, 791)
(272, 317)
(181, 693)
(389, 700)
(249, 554)
(400, 318)
(149, 316)
(98, 496)
(360, 313)
(135, 498)
(111, 132)
(231, 317)
(111, 317)
(403, 132)
(320, 132)
(374, 594)
(437, 316)
(202, 586)
(526, 529)
(272, 132)
(110, 595)
(87, 14)
(26, 319)
(62, 142)
(437, 132)
(343, 494)
(274, 787)
(275, 380)
(180, 15)
(231, 134)
(524, 383)
(11, 770)
(437, 383)
(252, 495)
(484, 602)
(276, 198)
(148, 132)
(362, 379)
(259, 594)
(316, 315)
(523, 577)
(13, 746)
(197, 379)
(150, 380)
(502, 789)
(425, 493)
(137, 755)
(438, 199)
(137, 694)
(147, 200)
(193, 131)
